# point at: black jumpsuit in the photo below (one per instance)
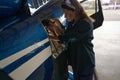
(78, 38)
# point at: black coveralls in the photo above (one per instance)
(78, 37)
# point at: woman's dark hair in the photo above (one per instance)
(67, 7)
(80, 12)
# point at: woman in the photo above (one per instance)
(78, 39)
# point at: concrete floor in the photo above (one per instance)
(107, 48)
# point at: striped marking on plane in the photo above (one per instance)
(20, 65)
(27, 68)
(21, 53)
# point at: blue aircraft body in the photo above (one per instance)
(25, 52)
(24, 45)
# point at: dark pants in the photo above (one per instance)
(87, 75)
(60, 70)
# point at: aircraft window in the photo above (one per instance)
(94, 9)
(89, 5)
(34, 5)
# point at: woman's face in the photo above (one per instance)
(69, 14)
